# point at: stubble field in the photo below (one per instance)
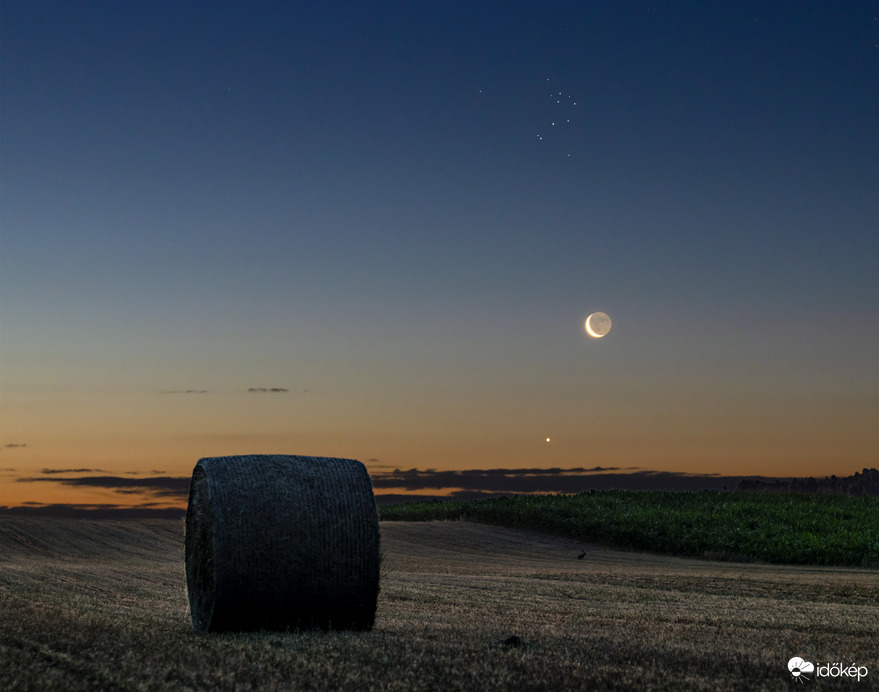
(102, 605)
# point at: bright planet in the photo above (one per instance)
(598, 324)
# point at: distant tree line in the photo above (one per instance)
(865, 482)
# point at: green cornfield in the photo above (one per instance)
(795, 529)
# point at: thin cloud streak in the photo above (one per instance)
(157, 486)
(553, 480)
(52, 471)
(251, 390)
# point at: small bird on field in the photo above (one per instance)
(581, 555)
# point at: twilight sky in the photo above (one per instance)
(398, 215)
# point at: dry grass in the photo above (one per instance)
(102, 605)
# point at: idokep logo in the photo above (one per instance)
(800, 670)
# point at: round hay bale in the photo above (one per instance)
(278, 542)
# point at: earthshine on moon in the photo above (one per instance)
(598, 324)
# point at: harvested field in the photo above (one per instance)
(102, 604)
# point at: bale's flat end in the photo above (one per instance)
(280, 542)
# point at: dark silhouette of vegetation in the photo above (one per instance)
(865, 482)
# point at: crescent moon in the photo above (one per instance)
(603, 325)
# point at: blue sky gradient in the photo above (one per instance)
(370, 206)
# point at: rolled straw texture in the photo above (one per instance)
(278, 542)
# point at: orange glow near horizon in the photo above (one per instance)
(635, 421)
(128, 461)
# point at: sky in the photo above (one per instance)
(375, 231)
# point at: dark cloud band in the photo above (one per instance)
(399, 485)
(553, 480)
(156, 486)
